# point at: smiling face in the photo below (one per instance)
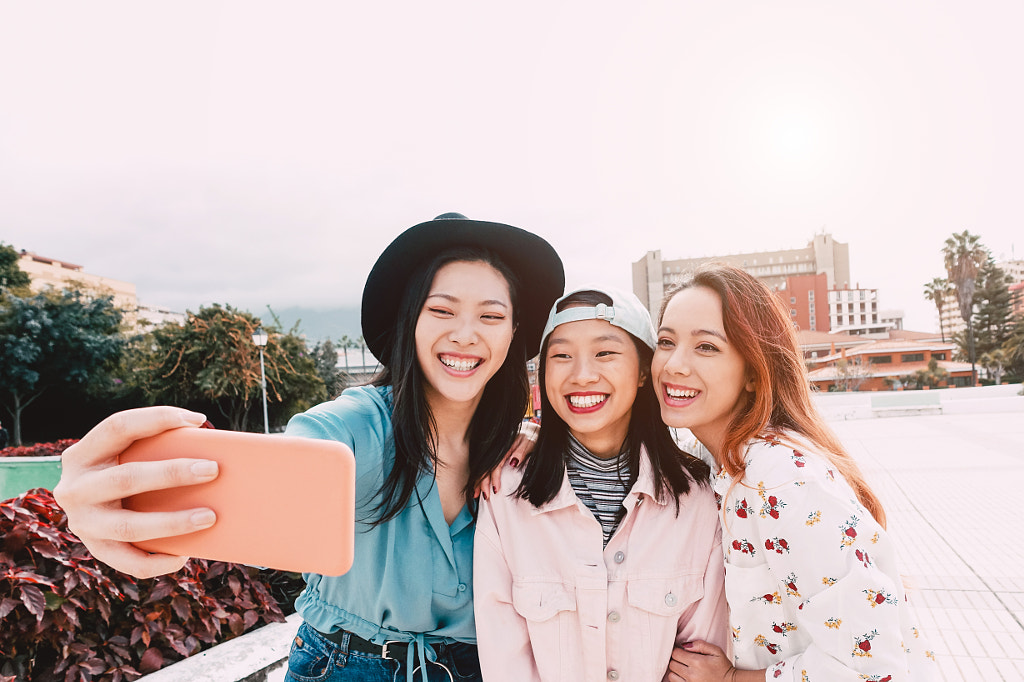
(591, 376)
(463, 332)
(698, 375)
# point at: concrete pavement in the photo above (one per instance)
(952, 488)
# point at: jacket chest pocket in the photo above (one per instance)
(667, 597)
(655, 606)
(549, 609)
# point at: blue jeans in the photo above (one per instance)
(314, 658)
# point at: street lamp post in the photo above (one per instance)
(259, 338)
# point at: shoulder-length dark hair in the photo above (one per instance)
(494, 424)
(757, 324)
(544, 471)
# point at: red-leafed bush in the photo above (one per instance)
(66, 616)
(39, 449)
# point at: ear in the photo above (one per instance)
(750, 385)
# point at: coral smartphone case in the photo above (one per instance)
(281, 502)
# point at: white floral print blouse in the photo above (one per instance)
(814, 591)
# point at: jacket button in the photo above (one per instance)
(613, 675)
(614, 617)
(462, 587)
(619, 557)
(671, 599)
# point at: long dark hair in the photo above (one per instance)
(494, 424)
(544, 471)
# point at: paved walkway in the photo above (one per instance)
(952, 488)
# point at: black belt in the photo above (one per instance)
(393, 650)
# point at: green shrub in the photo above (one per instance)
(66, 616)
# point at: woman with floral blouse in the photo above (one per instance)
(814, 591)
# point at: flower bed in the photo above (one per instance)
(39, 449)
(66, 616)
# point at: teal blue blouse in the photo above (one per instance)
(412, 575)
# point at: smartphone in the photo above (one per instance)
(281, 502)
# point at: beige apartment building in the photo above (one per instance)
(47, 272)
(793, 271)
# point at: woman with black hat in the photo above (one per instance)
(452, 308)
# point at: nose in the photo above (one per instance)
(678, 362)
(584, 371)
(464, 331)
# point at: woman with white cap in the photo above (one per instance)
(602, 552)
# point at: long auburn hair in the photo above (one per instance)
(497, 417)
(673, 469)
(758, 325)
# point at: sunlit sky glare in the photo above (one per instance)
(258, 153)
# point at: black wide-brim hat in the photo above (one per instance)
(534, 262)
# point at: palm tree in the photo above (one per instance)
(964, 255)
(345, 344)
(936, 292)
(361, 343)
(995, 362)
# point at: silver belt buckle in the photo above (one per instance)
(384, 653)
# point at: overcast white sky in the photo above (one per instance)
(260, 153)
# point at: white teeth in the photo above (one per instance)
(587, 400)
(677, 393)
(459, 364)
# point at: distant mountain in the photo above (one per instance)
(318, 325)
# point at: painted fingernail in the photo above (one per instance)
(513, 462)
(204, 469)
(494, 489)
(687, 645)
(204, 518)
(207, 425)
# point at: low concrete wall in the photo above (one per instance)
(18, 474)
(868, 405)
(259, 656)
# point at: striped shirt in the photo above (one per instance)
(601, 484)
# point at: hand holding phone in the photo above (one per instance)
(281, 502)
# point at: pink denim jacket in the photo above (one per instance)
(552, 604)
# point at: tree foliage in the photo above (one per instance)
(12, 277)
(963, 256)
(325, 355)
(850, 374)
(54, 339)
(932, 377)
(993, 318)
(936, 292)
(211, 361)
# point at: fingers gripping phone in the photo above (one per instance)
(281, 502)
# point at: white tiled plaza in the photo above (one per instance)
(952, 486)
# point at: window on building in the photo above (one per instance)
(881, 359)
(810, 295)
(792, 312)
(939, 356)
(792, 299)
(912, 357)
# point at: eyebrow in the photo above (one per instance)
(697, 332)
(454, 299)
(600, 339)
